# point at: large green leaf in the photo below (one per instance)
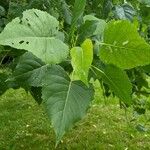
(36, 32)
(81, 61)
(29, 71)
(66, 100)
(116, 79)
(123, 46)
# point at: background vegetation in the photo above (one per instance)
(99, 28)
(24, 125)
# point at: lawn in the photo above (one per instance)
(24, 126)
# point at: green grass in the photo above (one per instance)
(25, 126)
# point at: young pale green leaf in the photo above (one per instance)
(29, 71)
(36, 32)
(66, 101)
(117, 81)
(123, 46)
(81, 61)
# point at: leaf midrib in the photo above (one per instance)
(28, 37)
(66, 101)
(119, 47)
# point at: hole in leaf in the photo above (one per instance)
(21, 42)
(12, 43)
(20, 22)
(27, 42)
(36, 14)
(29, 24)
(27, 19)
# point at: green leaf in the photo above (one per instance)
(36, 32)
(107, 7)
(116, 79)
(100, 24)
(66, 100)
(15, 9)
(81, 61)
(36, 92)
(146, 68)
(86, 30)
(66, 12)
(146, 2)
(29, 71)
(92, 27)
(78, 10)
(123, 46)
(125, 11)
(2, 11)
(145, 14)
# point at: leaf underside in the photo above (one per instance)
(36, 32)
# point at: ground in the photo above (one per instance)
(24, 125)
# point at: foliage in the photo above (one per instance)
(24, 125)
(124, 50)
(56, 47)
